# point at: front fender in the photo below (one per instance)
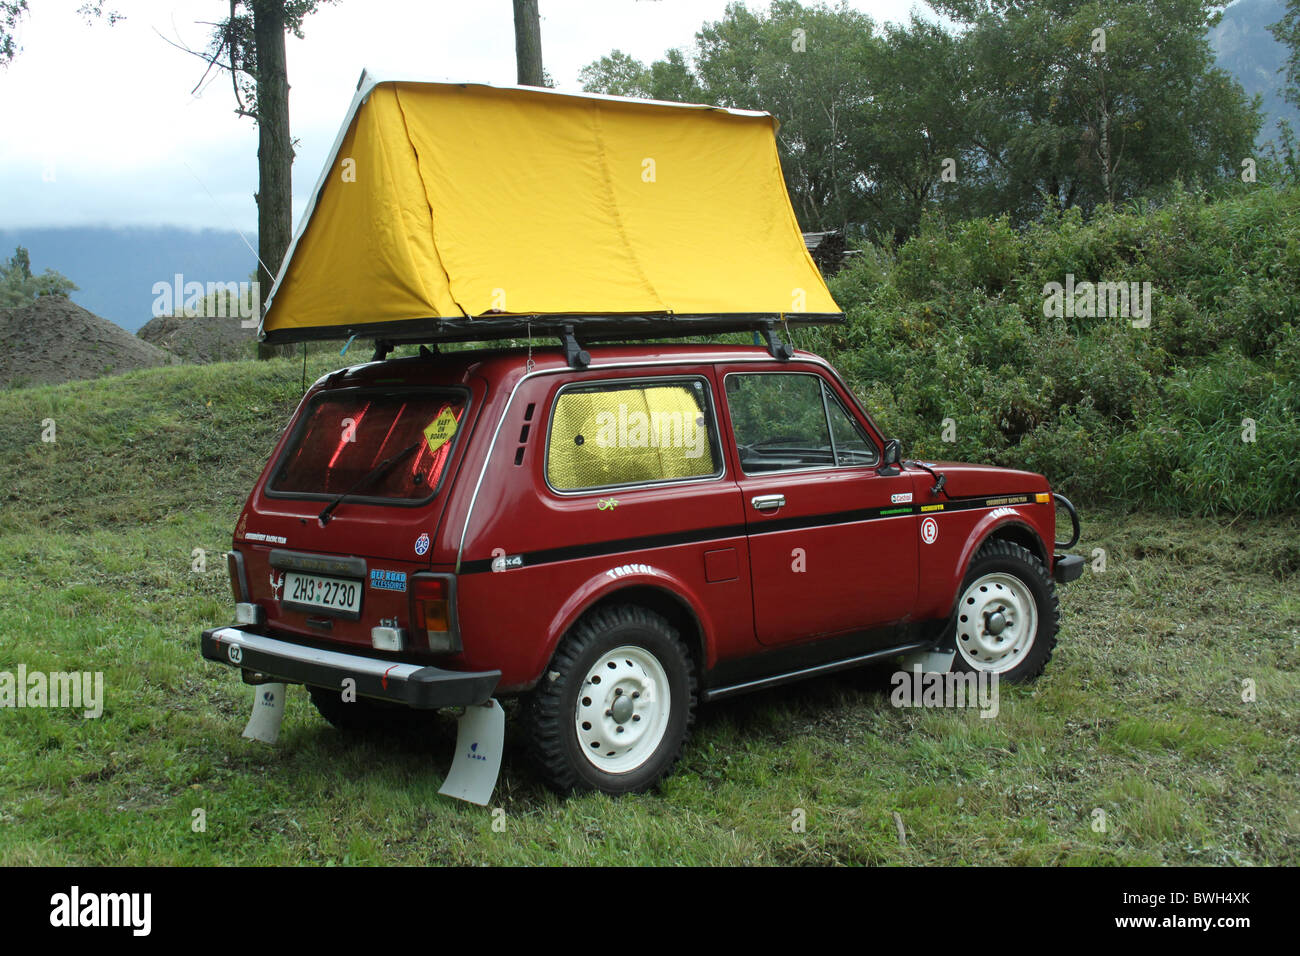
(987, 526)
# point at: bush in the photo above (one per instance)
(952, 326)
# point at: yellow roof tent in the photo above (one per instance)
(453, 211)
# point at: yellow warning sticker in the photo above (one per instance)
(440, 431)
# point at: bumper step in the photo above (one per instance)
(415, 685)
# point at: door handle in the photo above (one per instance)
(760, 502)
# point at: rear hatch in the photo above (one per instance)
(347, 511)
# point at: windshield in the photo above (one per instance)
(344, 436)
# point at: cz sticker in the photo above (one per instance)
(422, 543)
(929, 531)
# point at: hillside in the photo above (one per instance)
(110, 560)
(141, 447)
(201, 340)
(54, 340)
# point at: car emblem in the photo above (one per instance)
(422, 543)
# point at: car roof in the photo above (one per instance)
(504, 366)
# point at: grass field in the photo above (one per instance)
(1140, 714)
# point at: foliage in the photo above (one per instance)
(19, 287)
(1287, 32)
(11, 11)
(1196, 413)
(1017, 112)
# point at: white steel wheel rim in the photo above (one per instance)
(622, 709)
(997, 620)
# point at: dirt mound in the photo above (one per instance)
(200, 340)
(55, 340)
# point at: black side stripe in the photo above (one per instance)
(648, 542)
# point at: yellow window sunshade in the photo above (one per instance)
(471, 203)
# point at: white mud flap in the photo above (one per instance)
(268, 712)
(480, 736)
(930, 662)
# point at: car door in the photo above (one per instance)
(832, 542)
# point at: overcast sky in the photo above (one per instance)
(100, 126)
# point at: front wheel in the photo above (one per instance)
(1007, 614)
(615, 706)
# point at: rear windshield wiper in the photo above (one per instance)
(374, 474)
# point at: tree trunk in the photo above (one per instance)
(274, 149)
(528, 43)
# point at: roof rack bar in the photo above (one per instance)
(577, 357)
(590, 328)
(780, 350)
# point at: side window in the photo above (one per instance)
(611, 434)
(790, 420)
(852, 447)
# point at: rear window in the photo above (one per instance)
(344, 436)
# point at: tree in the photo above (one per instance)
(11, 11)
(18, 287)
(528, 44)
(252, 41)
(1287, 32)
(915, 131)
(1021, 110)
(1078, 102)
(807, 66)
(618, 74)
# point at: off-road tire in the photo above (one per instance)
(552, 712)
(997, 564)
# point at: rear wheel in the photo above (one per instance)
(1007, 614)
(616, 704)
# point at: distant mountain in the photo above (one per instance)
(116, 268)
(1244, 47)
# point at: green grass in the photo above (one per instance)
(1140, 713)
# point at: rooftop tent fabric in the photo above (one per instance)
(455, 201)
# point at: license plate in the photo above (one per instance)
(311, 592)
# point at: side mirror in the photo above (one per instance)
(890, 459)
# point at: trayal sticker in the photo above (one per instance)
(440, 431)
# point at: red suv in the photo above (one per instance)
(617, 536)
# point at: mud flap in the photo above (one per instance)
(930, 662)
(268, 713)
(480, 736)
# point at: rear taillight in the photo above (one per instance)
(238, 581)
(433, 612)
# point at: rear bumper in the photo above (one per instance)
(414, 685)
(1067, 568)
